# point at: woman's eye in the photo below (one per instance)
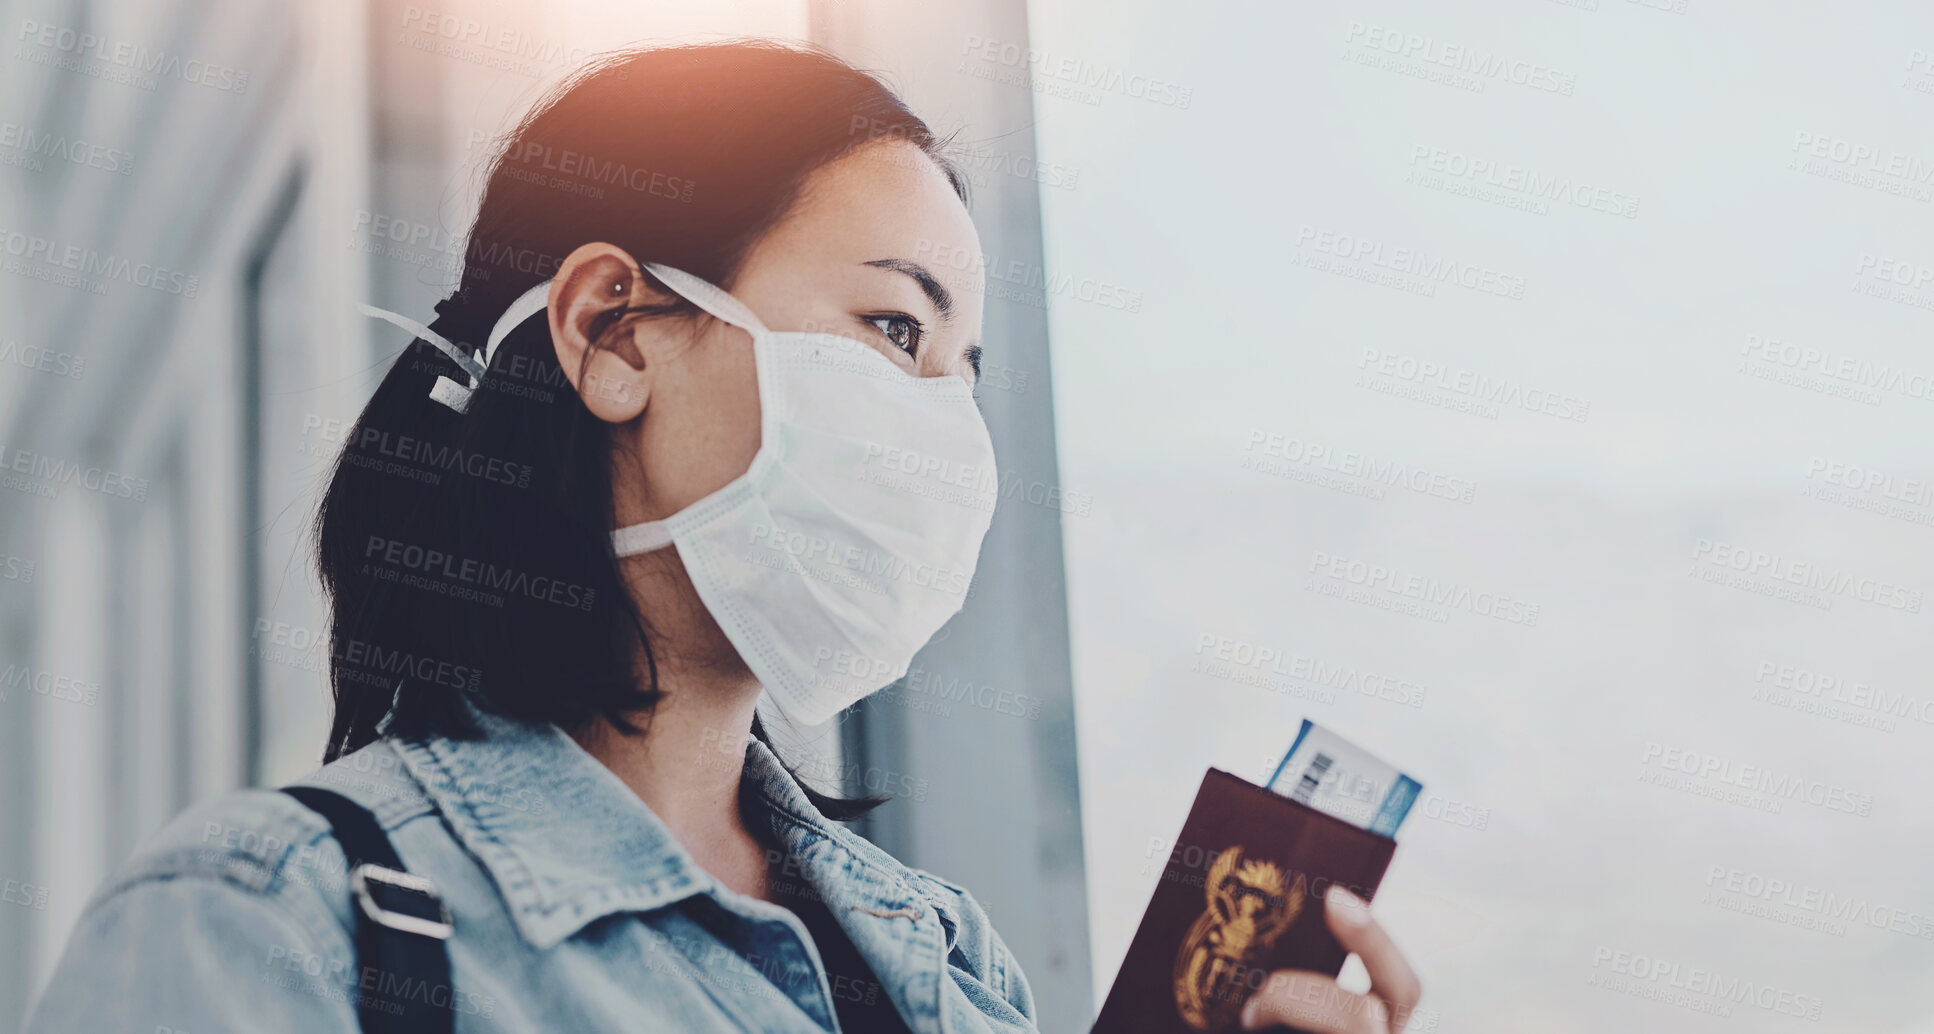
(904, 331)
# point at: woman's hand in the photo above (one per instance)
(1313, 1002)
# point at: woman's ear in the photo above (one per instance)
(591, 290)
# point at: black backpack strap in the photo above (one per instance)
(402, 976)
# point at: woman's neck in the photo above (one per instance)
(687, 765)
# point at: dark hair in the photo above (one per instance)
(469, 554)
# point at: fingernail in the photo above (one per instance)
(1249, 1014)
(1347, 907)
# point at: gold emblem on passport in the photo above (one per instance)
(1250, 904)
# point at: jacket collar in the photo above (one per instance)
(566, 842)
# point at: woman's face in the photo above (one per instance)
(877, 248)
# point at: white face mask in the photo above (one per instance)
(853, 535)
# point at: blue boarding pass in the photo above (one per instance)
(1336, 777)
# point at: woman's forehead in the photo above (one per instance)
(889, 200)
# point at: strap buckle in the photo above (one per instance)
(368, 873)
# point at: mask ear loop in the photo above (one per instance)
(699, 292)
(443, 344)
(710, 297)
(449, 392)
(650, 535)
(528, 304)
(627, 541)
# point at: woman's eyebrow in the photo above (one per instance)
(935, 292)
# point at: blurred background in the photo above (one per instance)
(1537, 392)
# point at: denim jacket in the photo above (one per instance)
(574, 909)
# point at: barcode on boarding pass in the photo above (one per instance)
(1329, 773)
(1312, 778)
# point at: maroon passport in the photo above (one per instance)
(1240, 897)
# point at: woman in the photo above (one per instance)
(696, 428)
